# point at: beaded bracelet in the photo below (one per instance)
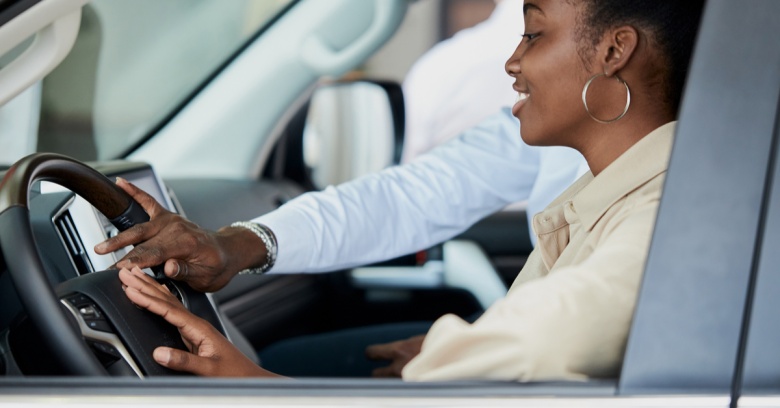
(269, 240)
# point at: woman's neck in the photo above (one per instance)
(608, 142)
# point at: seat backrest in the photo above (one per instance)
(687, 331)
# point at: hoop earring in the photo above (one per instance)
(585, 99)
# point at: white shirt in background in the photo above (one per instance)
(461, 81)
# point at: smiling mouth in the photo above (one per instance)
(521, 96)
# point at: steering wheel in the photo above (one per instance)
(89, 316)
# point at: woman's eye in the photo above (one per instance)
(530, 36)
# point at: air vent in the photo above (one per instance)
(72, 241)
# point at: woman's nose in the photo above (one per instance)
(512, 65)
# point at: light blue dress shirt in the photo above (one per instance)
(408, 208)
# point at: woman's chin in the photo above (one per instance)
(530, 137)
(540, 134)
(529, 140)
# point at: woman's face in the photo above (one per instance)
(549, 74)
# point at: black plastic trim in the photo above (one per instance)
(134, 214)
(395, 96)
(14, 8)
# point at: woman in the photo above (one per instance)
(604, 77)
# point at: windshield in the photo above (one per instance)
(133, 64)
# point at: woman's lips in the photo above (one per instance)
(522, 98)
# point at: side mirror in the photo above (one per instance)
(352, 129)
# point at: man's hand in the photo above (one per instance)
(210, 354)
(398, 352)
(206, 260)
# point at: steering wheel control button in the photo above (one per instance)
(99, 325)
(79, 300)
(89, 312)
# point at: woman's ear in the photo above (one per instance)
(619, 45)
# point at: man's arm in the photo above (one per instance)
(406, 208)
(394, 212)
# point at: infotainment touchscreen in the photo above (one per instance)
(146, 180)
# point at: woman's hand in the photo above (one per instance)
(398, 352)
(210, 354)
(204, 259)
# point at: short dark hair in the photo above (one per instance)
(672, 25)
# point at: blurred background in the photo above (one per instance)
(121, 79)
(426, 23)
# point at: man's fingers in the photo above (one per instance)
(157, 248)
(131, 236)
(176, 269)
(171, 244)
(148, 203)
(137, 233)
(151, 253)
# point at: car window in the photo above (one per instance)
(133, 64)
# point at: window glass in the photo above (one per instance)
(134, 63)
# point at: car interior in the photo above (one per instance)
(254, 311)
(253, 128)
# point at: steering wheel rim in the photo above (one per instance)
(26, 268)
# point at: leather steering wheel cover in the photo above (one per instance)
(96, 188)
(37, 296)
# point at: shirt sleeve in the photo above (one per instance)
(406, 208)
(571, 324)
